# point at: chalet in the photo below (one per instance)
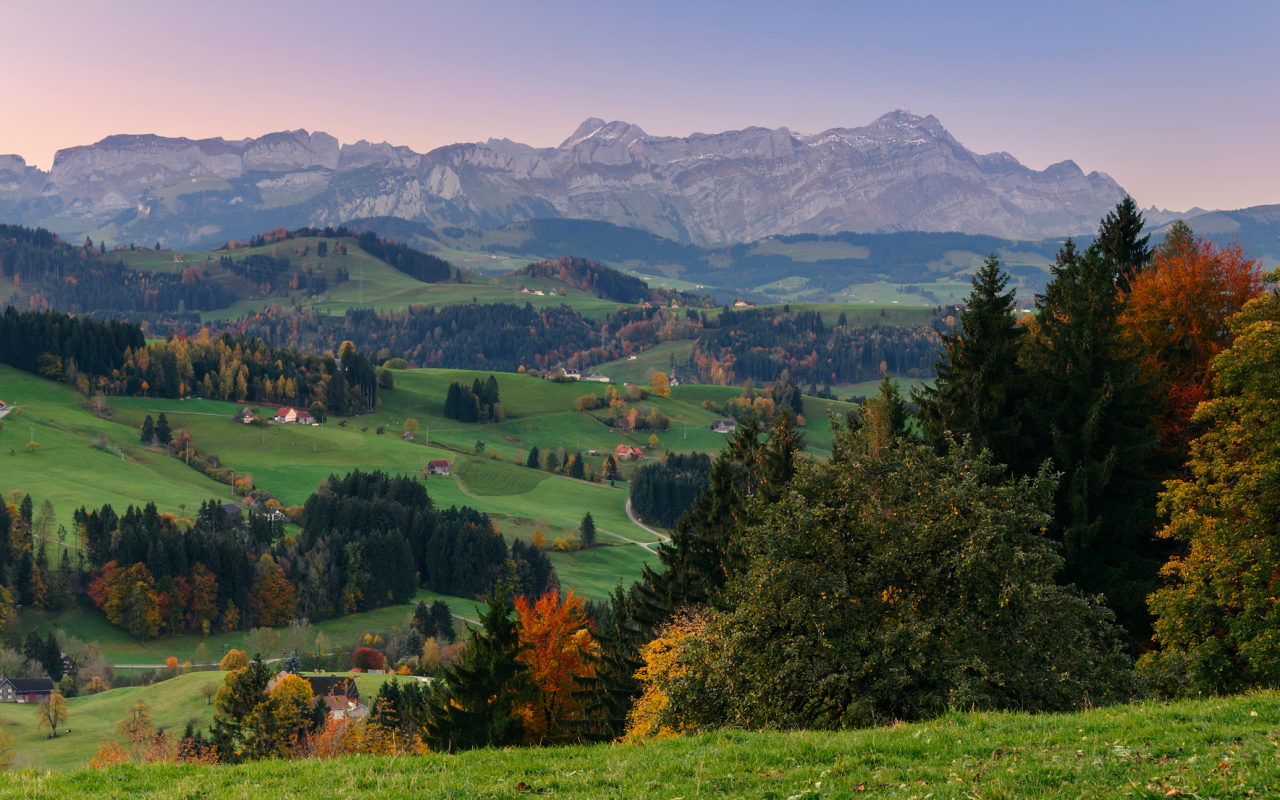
(25, 690)
(293, 416)
(626, 451)
(337, 692)
(248, 415)
(723, 425)
(437, 466)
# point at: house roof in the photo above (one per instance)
(437, 462)
(283, 411)
(231, 509)
(31, 684)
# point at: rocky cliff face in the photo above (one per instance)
(901, 172)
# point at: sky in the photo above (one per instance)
(1178, 101)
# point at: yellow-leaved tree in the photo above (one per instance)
(1216, 620)
(658, 385)
(652, 714)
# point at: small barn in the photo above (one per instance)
(437, 466)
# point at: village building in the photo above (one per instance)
(25, 690)
(293, 416)
(337, 692)
(248, 415)
(626, 452)
(437, 466)
(724, 425)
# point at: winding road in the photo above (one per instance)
(646, 545)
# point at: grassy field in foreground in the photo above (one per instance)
(1202, 748)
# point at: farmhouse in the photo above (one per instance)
(437, 466)
(293, 416)
(248, 415)
(626, 451)
(724, 425)
(338, 692)
(25, 690)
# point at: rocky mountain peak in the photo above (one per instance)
(596, 128)
(901, 171)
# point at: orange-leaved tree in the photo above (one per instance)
(274, 598)
(555, 634)
(1177, 310)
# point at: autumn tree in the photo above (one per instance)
(1178, 311)
(1216, 619)
(233, 660)
(659, 385)
(274, 597)
(410, 425)
(136, 725)
(554, 637)
(51, 713)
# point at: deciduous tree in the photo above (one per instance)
(1216, 619)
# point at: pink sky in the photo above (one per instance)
(1179, 102)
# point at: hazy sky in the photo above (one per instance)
(1178, 101)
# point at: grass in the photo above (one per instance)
(90, 625)
(632, 369)
(92, 719)
(1204, 748)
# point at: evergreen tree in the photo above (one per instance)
(26, 508)
(552, 463)
(611, 690)
(534, 461)
(703, 553)
(163, 434)
(611, 468)
(1120, 244)
(890, 399)
(576, 468)
(52, 658)
(1090, 413)
(422, 621)
(33, 648)
(980, 385)
(291, 664)
(148, 430)
(477, 704)
(587, 533)
(442, 620)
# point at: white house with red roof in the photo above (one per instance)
(626, 451)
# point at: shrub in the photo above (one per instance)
(366, 658)
(234, 659)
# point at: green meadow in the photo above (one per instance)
(92, 719)
(1206, 748)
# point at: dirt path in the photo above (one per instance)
(637, 521)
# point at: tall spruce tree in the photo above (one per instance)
(587, 532)
(980, 384)
(148, 430)
(476, 705)
(1121, 244)
(1089, 411)
(164, 434)
(610, 691)
(703, 554)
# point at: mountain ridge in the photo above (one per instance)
(900, 172)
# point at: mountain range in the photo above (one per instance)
(901, 172)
